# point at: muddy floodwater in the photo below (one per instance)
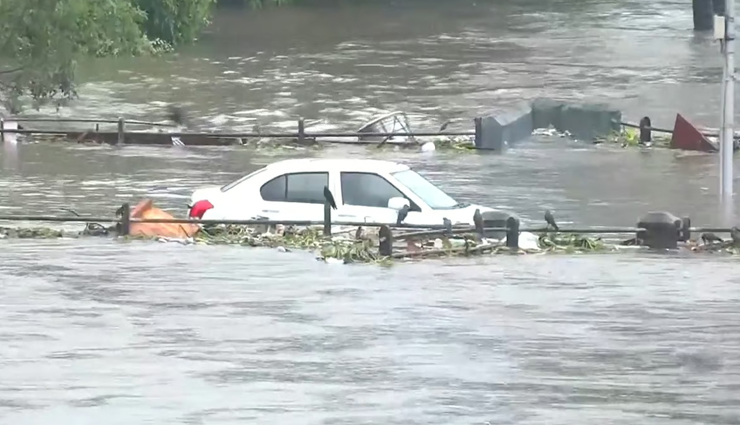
(97, 331)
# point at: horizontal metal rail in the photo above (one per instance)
(86, 120)
(430, 229)
(246, 135)
(665, 130)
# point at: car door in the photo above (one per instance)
(294, 196)
(365, 199)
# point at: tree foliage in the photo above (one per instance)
(175, 21)
(41, 41)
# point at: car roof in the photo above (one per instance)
(337, 164)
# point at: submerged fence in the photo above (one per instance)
(658, 230)
(121, 134)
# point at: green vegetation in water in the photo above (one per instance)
(570, 243)
(32, 233)
(42, 41)
(349, 250)
(629, 136)
(361, 246)
(461, 144)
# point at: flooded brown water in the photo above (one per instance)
(95, 331)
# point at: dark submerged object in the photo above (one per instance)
(662, 230)
(709, 238)
(177, 115)
(703, 12)
(735, 234)
(329, 198)
(385, 247)
(496, 219)
(551, 220)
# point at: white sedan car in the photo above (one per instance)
(365, 191)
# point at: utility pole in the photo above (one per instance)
(725, 31)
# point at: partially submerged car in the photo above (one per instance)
(365, 191)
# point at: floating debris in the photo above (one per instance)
(550, 131)
(353, 246)
(630, 137)
(457, 143)
(33, 233)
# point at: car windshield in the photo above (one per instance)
(236, 182)
(426, 190)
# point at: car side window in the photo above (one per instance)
(296, 187)
(369, 190)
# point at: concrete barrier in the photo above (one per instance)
(589, 120)
(583, 121)
(546, 112)
(498, 131)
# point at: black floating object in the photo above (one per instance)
(402, 213)
(708, 238)
(735, 233)
(329, 197)
(444, 126)
(551, 220)
(177, 115)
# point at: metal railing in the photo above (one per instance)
(89, 120)
(658, 235)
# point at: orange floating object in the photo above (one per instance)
(687, 137)
(146, 210)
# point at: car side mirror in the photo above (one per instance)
(398, 203)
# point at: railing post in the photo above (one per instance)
(646, 132)
(327, 218)
(385, 241)
(121, 131)
(512, 232)
(2, 132)
(301, 130)
(479, 226)
(478, 121)
(125, 220)
(685, 230)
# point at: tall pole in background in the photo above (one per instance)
(728, 102)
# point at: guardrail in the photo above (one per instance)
(659, 230)
(119, 136)
(91, 120)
